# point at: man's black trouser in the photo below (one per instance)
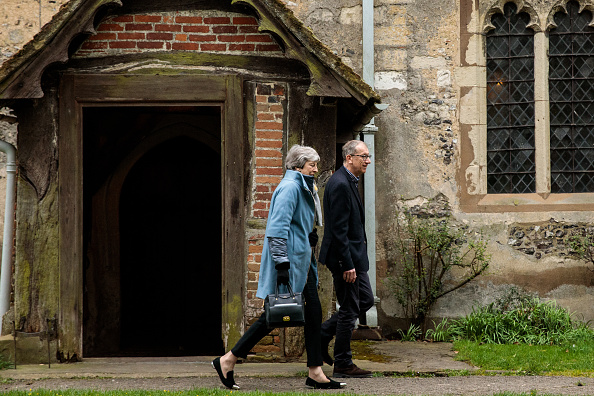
(354, 299)
(313, 322)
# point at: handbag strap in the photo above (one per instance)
(288, 288)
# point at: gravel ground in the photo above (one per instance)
(464, 385)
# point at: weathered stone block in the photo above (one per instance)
(390, 59)
(395, 36)
(471, 76)
(351, 15)
(390, 80)
(29, 350)
(428, 62)
(403, 2)
(391, 15)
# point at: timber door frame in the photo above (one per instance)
(81, 90)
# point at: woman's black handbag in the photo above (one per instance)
(284, 310)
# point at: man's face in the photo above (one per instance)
(357, 163)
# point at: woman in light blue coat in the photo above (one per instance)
(287, 258)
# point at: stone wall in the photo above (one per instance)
(428, 65)
(548, 238)
(20, 20)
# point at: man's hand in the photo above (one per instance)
(349, 276)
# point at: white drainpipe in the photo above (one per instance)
(368, 46)
(368, 133)
(7, 243)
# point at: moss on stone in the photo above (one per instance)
(37, 270)
(294, 139)
(257, 224)
(363, 350)
(234, 316)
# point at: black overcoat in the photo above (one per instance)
(344, 245)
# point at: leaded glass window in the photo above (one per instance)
(510, 103)
(571, 96)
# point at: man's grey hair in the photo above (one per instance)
(350, 148)
(299, 155)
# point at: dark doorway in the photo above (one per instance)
(170, 250)
(153, 203)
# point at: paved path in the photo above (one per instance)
(399, 357)
(171, 374)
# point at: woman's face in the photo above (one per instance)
(309, 169)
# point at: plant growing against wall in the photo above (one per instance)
(521, 318)
(441, 332)
(411, 334)
(435, 258)
(582, 245)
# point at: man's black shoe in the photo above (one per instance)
(325, 355)
(351, 371)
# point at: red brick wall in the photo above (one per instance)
(268, 145)
(179, 31)
(268, 171)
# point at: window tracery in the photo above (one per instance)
(510, 103)
(564, 139)
(571, 95)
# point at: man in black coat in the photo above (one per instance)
(344, 252)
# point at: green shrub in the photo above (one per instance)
(525, 320)
(429, 251)
(411, 334)
(582, 245)
(5, 363)
(441, 332)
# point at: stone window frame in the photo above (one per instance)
(472, 79)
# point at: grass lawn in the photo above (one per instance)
(571, 360)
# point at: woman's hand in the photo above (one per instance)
(282, 273)
(282, 277)
(313, 238)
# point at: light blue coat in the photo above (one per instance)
(291, 217)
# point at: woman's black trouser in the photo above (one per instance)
(313, 323)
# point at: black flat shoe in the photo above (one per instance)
(324, 385)
(229, 382)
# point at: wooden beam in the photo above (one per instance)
(323, 82)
